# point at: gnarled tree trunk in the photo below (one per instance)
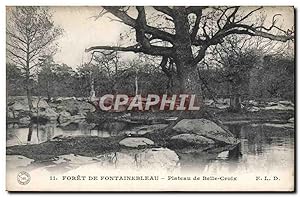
(186, 71)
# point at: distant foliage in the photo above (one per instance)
(14, 80)
(59, 80)
(272, 77)
(263, 77)
(275, 78)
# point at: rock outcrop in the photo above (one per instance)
(135, 142)
(205, 128)
(64, 111)
(186, 139)
(45, 113)
(141, 130)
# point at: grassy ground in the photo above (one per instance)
(85, 146)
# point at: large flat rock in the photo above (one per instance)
(141, 130)
(192, 139)
(205, 128)
(135, 142)
(21, 104)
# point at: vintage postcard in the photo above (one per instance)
(150, 98)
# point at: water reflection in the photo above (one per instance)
(37, 133)
(262, 147)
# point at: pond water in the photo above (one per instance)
(263, 146)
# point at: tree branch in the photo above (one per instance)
(163, 64)
(250, 13)
(232, 26)
(16, 37)
(16, 55)
(201, 55)
(195, 9)
(15, 46)
(140, 29)
(153, 50)
(196, 26)
(164, 9)
(121, 15)
(126, 19)
(281, 38)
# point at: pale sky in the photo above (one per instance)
(81, 31)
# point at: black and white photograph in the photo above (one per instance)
(150, 98)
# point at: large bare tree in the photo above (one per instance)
(31, 36)
(182, 35)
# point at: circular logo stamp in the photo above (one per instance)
(23, 178)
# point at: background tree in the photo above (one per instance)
(246, 68)
(274, 79)
(14, 80)
(110, 66)
(111, 75)
(234, 60)
(31, 36)
(56, 80)
(182, 35)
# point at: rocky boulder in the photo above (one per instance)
(286, 103)
(24, 120)
(19, 109)
(141, 130)
(40, 103)
(253, 109)
(291, 120)
(66, 110)
(135, 142)
(12, 114)
(183, 140)
(113, 126)
(21, 104)
(64, 117)
(74, 107)
(281, 105)
(48, 114)
(78, 118)
(205, 128)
